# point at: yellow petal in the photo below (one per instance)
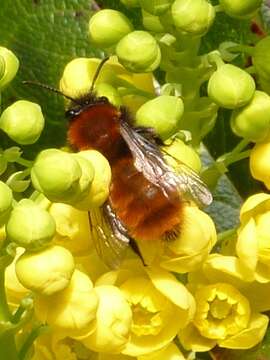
(248, 337)
(247, 245)
(253, 205)
(170, 352)
(191, 339)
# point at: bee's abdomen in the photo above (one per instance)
(142, 207)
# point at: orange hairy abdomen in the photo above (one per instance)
(142, 207)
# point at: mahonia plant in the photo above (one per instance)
(201, 291)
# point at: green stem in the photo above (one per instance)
(24, 162)
(218, 8)
(249, 50)
(30, 340)
(226, 234)
(239, 147)
(18, 314)
(238, 157)
(7, 341)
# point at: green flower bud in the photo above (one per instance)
(61, 176)
(162, 113)
(240, 8)
(131, 3)
(231, 87)
(23, 122)
(107, 27)
(5, 202)
(261, 58)
(253, 120)
(152, 22)
(193, 16)
(156, 7)
(138, 52)
(30, 226)
(9, 66)
(107, 90)
(99, 190)
(46, 272)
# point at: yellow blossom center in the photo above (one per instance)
(150, 309)
(221, 311)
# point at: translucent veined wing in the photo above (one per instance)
(149, 159)
(109, 235)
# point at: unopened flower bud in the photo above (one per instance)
(107, 27)
(99, 189)
(30, 226)
(231, 87)
(145, 58)
(261, 58)
(23, 122)
(178, 150)
(162, 114)
(156, 7)
(260, 163)
(253, 120)
(45, 272)
(5, 202)
(193, 16)
(240, 8)
(9, 66)
(61, 176)
(107, 90)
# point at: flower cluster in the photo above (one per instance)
(198, 290)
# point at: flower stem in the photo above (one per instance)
(30, 340)
(249, 50)
(24, 162)
(226, 234)
(7, 341)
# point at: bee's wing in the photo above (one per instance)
(109, 236)
(149, 160)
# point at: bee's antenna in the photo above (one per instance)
(97, 72)
(50, 88)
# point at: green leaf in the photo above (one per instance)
(44, 35)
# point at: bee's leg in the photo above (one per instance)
(136, 249)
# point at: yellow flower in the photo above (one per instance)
(91, 264)
(253, 242)
(170, 352)
(72, 228)
(45, 272)
(78, 75)
(259, 163)
(160, 305)
(72, 310)
(113, 321)
(187, 252)
(223, 317)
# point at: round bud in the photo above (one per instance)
(231, 87)
(45, 272)
(9, 66)
(57, 175)
(163, 114)
(259, 163)
(5, 202)
(240, 8)
(107, 27)
(156, 7)
(99, 190)
(193, 16)
(85, 179)
(23, 122)
(253, 120)
(30, 226)
(138, 52)
(131, 3)
(261, 58)
(152, 22)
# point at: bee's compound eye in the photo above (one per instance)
(103, 99)
(71, 113)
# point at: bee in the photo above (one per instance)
(146, 195)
